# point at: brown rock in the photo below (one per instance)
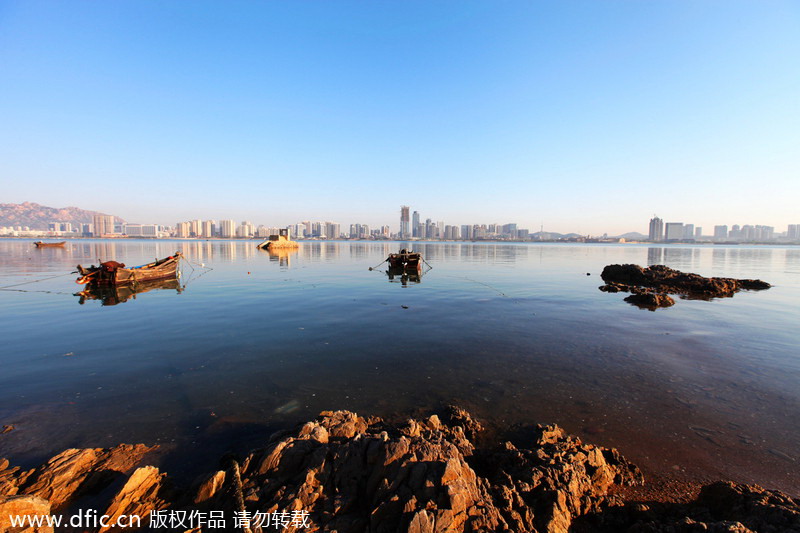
(18, 506)
(650, 300)
(663, 280)
(138, 497)
(74, 472)
(210, 487)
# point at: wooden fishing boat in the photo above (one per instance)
(114, 273)
(40, 244)
(405, 260)
(117, 294)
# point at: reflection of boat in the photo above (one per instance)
(405, 260)
(282, 255)
(40, 244)
(114, 273)
(404, 275)
(115, 294)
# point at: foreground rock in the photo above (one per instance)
(348, 474)
(651, 286)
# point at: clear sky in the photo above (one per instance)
(582, 116)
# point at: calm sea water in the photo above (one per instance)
(516, 333)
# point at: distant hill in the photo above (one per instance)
(633, 236)
(38, 216)
(552, 236)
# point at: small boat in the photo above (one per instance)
(114, 273)
(40, 244)
(278, 242)
(405, 260)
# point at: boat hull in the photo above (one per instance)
(405, 261)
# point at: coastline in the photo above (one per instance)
(442, 472)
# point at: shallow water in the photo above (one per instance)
(516, 333)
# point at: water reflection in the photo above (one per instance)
(655, 256)
(113, 295)
(283, 256)
(404, 276)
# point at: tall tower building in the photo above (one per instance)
(415, 224)
(405, 221)
(656, 229)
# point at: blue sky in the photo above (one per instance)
(582, 116)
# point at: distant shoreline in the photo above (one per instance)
(480, 241)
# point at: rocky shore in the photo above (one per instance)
(650, 287)
(347, 473)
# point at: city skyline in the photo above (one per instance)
(580, 117)
(410, 227)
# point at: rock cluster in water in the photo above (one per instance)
(353, 474)
(650, 287)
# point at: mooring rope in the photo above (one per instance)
(37, 280)
(379, 264)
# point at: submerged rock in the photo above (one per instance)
(652, 285)
(650, 300)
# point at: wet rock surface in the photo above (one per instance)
(349, 473)
(650, 287)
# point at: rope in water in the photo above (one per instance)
(379, 264)
(38, 280)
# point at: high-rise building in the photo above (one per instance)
(227, 228)
(183, 229)
(688, 231)
(673, 231)
(207, 228)
(698, 232)
(466, 232)
(103, 225)
(140, 230)
(332, 230)
(720, 233)
(415, 224)
(793, 232)
(656, 229)
(405, 220)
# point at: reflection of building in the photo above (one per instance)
(405, 221)
(655, 256)
(656, 229)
